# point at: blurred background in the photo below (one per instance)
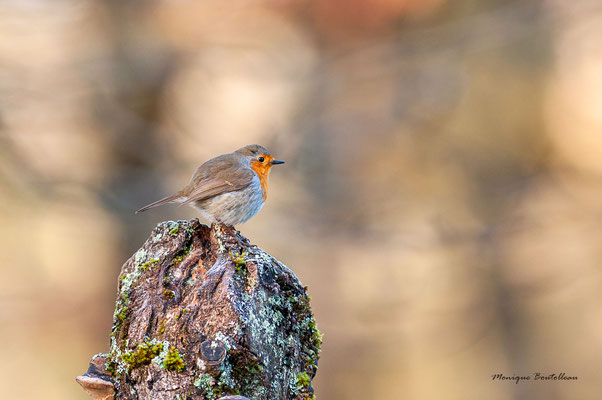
(441, 197)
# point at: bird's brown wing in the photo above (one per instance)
(212, 187)
(217, 177)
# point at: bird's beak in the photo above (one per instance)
(274, 162)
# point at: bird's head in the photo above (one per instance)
(259, 158)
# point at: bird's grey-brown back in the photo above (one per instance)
(220, 167)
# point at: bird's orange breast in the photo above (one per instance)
(262, 170)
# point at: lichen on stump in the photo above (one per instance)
(202, 314)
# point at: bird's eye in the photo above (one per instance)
(260, 159)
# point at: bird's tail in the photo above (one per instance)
(164, 200)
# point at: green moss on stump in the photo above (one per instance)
(143, 355)
(173, 361)
(303, 381)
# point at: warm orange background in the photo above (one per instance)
(442, 196)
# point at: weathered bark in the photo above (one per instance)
(202, 314)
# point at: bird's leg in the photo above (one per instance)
(233, 237)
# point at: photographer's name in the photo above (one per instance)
(534, 377)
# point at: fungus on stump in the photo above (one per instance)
(202, 314)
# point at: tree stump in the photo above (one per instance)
(202, 314)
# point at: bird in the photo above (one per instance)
(228, 189)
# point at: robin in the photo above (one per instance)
(228, 189)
